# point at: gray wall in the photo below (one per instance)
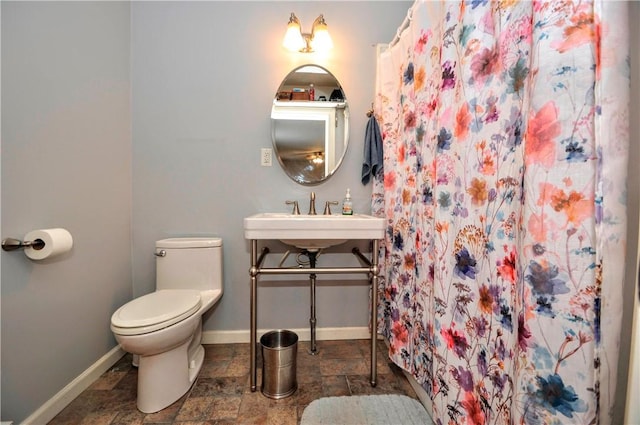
(66, 162)
(204, 75)
(633, 211)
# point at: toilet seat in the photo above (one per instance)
(155, 311)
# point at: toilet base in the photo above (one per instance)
(161, 383)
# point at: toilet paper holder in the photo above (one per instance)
(12, 244)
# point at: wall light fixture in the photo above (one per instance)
(318, 40)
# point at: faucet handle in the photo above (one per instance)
(312, 204)
(296, 210)
(327, 207)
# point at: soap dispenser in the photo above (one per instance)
(347, 205)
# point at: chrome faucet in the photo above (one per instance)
(312, 204)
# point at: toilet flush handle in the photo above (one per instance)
(161, 253)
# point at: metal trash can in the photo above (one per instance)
(279, 352)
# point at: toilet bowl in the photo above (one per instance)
(163, 329)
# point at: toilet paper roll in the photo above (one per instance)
(56, 241)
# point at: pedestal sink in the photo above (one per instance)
(313, 232)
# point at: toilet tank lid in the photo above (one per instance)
(199, 242)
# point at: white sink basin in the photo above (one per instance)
(313, 232)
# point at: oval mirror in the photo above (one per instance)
(310, 124)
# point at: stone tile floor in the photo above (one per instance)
(222, 395)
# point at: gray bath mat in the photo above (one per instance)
(366, 410)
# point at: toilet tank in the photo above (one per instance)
(189, 263)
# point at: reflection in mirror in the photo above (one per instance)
(310, 124)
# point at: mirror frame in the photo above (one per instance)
(310, 138)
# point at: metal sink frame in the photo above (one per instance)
(371, 269)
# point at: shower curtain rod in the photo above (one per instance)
(403, 26)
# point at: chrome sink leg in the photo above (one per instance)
(375, 271)
(313, 350)
(253, 272)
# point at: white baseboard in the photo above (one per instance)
(58, 402)
(304, 334)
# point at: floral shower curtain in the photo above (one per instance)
(505, 148)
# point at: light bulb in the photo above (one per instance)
(321, 41)
(293, 38)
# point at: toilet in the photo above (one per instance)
(163, 329)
